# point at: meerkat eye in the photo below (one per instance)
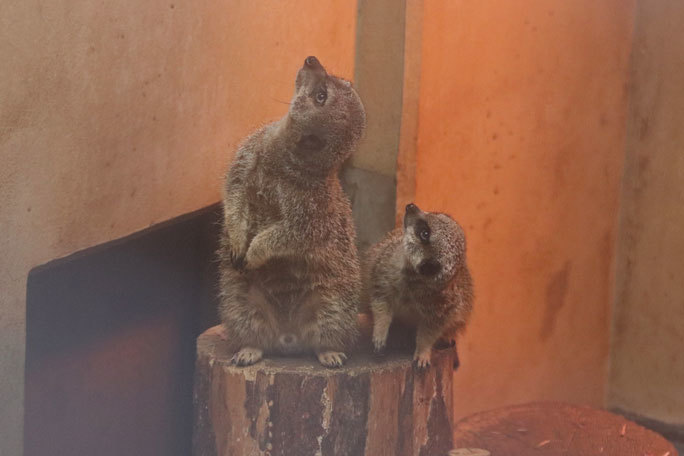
(422, 231)
(321, 97)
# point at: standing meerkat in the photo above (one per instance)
(290, 274)
(419, 275)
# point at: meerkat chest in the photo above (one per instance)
(414, 300)
(263, 197)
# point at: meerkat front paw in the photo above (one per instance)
(382, 318)
(237, 247)
(247, 356)
(332, 358)
(422, 360)
(379, 345)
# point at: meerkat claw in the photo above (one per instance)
(332, 358)
(421, 362)
(420, 365)
(238, 261)
(379, 348)
(247, 356)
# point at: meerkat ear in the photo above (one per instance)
(311, 143)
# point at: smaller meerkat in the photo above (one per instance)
(419, 275)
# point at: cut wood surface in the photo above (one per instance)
(552, 428)
(296, 407)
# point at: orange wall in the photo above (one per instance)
(117, 115)
(520, 131)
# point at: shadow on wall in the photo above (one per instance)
(110, 342)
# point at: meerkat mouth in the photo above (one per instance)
(429, 267)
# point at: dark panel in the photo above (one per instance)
(110, 342)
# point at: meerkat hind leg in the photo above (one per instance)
(445, 342)
(330, 330)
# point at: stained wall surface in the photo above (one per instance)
(115, 116)
(647, 363)
(520, 136)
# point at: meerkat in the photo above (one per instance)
(290, 274)
(418, 275)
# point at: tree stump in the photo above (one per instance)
(552, 428)
(296, 407)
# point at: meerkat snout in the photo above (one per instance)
(411, 213)
(312, 62)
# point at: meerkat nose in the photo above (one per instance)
(312, 62)
(411, 208)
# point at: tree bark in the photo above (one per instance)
(296, 407)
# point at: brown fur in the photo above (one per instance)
(290, 276)
(426, 283)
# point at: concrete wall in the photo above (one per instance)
(115, 116)
(520, 136)
(647, 372)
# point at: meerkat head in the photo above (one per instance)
(433, 242)
(327, 117)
